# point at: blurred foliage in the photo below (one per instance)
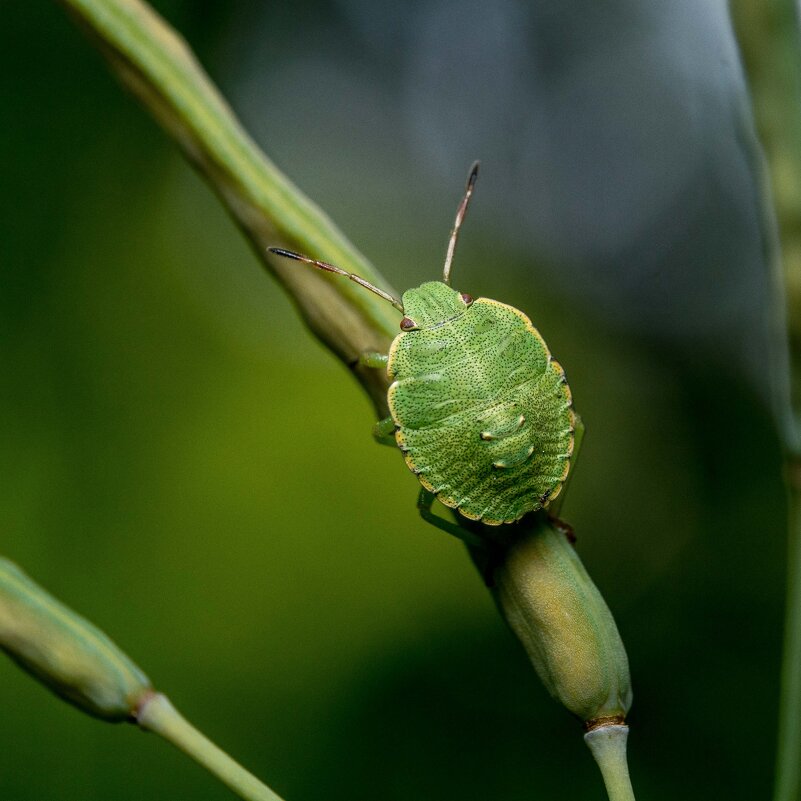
(185, 466)
(769, 39)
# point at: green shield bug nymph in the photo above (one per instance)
(480, 409)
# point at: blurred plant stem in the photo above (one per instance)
(83, 666)
(770, 42)
(788, 757)
(158, 67)
(158, 715)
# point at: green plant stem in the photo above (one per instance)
(83, 666)
(608, 746)
(158, 715)
(769, 37)
(154, 63)
(788, 765)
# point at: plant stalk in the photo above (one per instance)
(82, 665)
(158, 715)
(788, 766)
(608, 746)
(769, 37)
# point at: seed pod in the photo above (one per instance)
(558, 614)
(64, 651)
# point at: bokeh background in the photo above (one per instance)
(186, 466)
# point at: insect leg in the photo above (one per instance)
(384, 431)
(372, 359)
(424, 502)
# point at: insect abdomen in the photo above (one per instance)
(484, 418)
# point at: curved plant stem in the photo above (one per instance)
(608, 746)
(158, 715)
(770, 41)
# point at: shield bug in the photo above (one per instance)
(481, 411)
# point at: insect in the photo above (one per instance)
(481, 411)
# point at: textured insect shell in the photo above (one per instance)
(462, 383)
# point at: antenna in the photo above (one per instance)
(460, 213)
(330, 268)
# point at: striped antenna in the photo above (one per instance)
(460, 213)
(330, 268)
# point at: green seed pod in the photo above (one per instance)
(558, 614)
(64, 651)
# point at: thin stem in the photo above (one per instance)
(158, 715)
(769, 37)
(608, 746)
(788, 768)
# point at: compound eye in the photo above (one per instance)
(468, 299)
(407, 324)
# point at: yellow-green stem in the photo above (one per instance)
(158, 715)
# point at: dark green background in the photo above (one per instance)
(185, 466)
